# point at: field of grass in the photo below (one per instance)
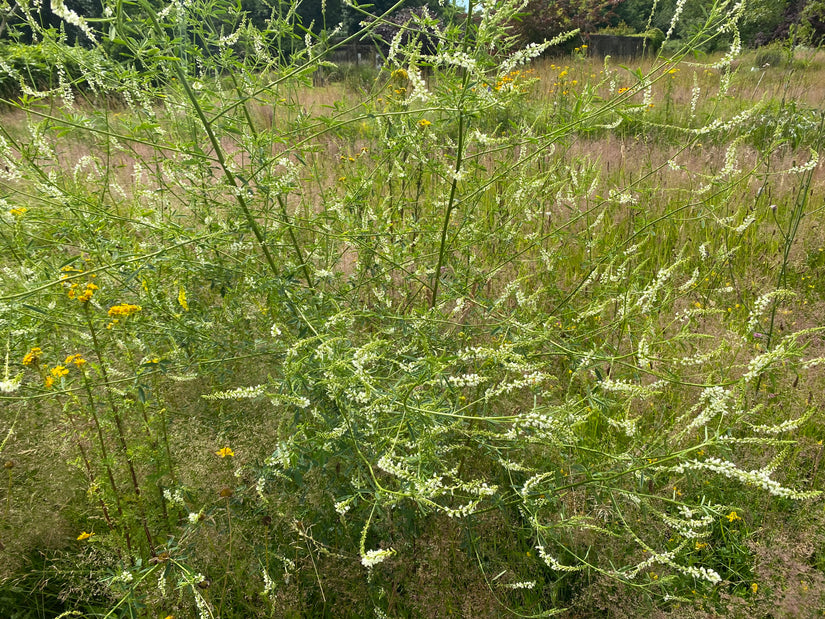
(493, 338)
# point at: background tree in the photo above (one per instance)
(544, 19)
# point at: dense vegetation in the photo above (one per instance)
(483, 330)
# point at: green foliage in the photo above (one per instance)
(812, 23)
(281, 351)
(544, 19)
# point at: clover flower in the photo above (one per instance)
(9, 384)
(372, 558)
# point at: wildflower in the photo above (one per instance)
(124, 310)
(374, 557)
(399, 74)
(49, 382)
(32, 356)
(78, 360)
(59, 371)
(9, 384)
(424, 123)
(84, 536)
(623, 90)
(182, 299)
(754, 588)
(18, 212)
(87, 293)
(224, 452)
(733, 516)
(701, 545)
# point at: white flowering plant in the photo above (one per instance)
(304, 350)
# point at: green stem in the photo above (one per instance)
(213, 140)
(451, 204)
(106, 462)
(121, 432)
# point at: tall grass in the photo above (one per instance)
(523, 329)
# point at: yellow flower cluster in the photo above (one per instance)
(78, 360)
(32, 356)
(563, 82)
(83, 295)
(59, 371)
(123, 310)
(78, 290)
(225, 452)
(514, 80)
(18, 212)
(182, 299)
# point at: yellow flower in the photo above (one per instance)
(84, 296)
(424, 123)
(224, 452)
(59, 371)
(701, 545)
(182, 299)
(623, 90)
(754, 588)
(18, 212)
(78, 360)
(84, 536)
(49, 382)
(32, 356)
(124, 310)
(733, 516)
(399, 74)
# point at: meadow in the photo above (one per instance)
(481, 332)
